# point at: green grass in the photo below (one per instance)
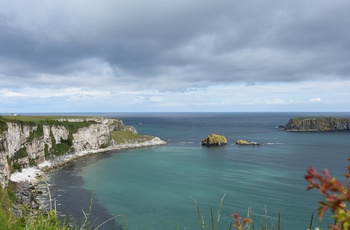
(38, 119)
(122, 137)
(3, 125)
(59, 149)
(7, 219)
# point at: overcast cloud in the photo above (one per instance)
(157, 55)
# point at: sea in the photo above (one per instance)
(183, 184)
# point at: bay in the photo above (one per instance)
(155, 188)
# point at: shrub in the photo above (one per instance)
(59, 149)
(337, 196)
(39, 132)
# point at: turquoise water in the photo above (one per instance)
(154, 187)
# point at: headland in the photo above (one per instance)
(30, 145)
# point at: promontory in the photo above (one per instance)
(27, 141)
(318, 124)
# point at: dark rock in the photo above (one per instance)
(26, 196)
(25, 193)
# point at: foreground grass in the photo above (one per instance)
(50, 221)
(38, 222)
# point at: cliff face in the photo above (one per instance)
(25, 144)
(318, 124)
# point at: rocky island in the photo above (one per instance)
(214, 140)
(39, 143)
(247, 143)
(317, 124)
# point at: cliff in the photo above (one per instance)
(318, 124)
(29, 141)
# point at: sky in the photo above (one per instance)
(174, 56)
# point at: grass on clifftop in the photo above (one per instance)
(72, 127)
(123, 137)
(38, 119)
(3, 125)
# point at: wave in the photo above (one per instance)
(186, 142)
(274, 143)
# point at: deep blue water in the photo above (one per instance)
(154, 188)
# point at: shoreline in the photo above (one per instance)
(34, 173)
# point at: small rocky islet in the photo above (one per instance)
(214, 140)
(218, 140)
(296, 124)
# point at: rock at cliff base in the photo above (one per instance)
(243, 142)
(214, 139)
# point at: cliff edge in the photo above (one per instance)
(318, 124)
(29, 141)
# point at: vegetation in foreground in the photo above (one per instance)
(38, 220)
(8, 220)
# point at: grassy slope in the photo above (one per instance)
(122, 137)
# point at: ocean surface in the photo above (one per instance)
(157, 187)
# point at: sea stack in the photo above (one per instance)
(214, 140)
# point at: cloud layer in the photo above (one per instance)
(79, 49)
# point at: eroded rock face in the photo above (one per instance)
(23, 144)
(92, 137)
(214, 140)
(17, 134)
(318, 124)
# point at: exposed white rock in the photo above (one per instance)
(91, 138)
(30, 174)
(17, 134)
(36, 150)
(87, 140)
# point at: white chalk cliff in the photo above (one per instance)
(27, 144)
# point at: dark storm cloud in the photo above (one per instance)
(172, 44)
